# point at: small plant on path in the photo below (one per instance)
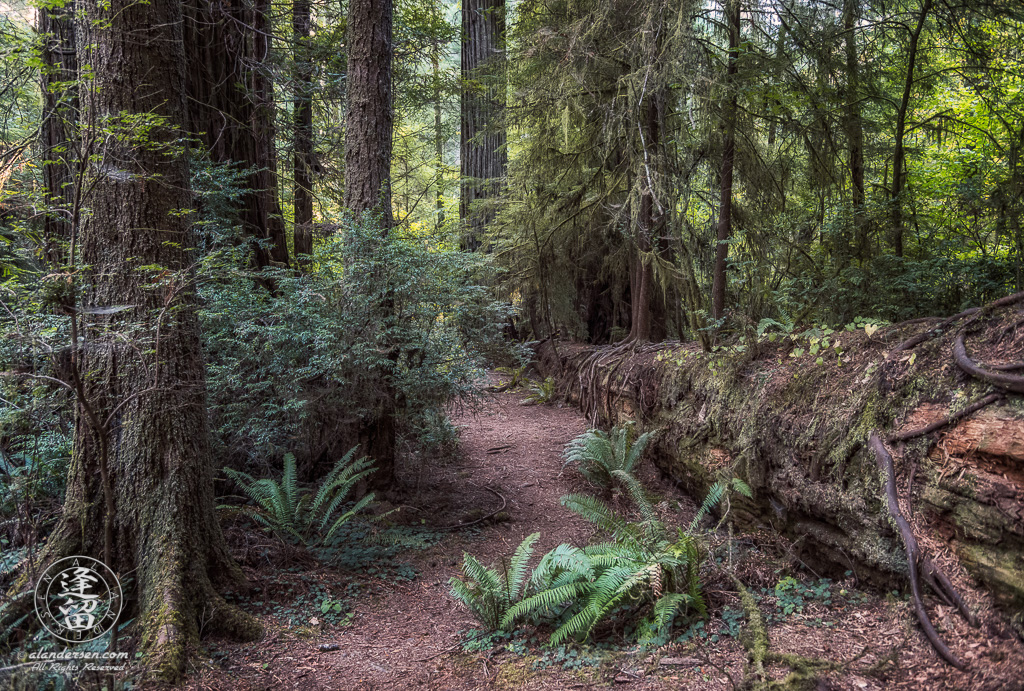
(298, 514)
(490, 592)
(598, 454)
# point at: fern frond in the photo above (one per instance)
(637, 493)
(546, 599)
(595, 511)
(345, 517)
(517, 569)
(712, 498)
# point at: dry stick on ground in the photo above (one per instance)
(921, 431)
(1010, 382)
(884, 460)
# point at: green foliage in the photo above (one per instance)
(490, 592)
(543, 392)
(604, 458)
(376, 322)
(644, 566)
(299, 514)
(716, 493)
(646, 573)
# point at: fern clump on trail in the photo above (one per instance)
(490, 592)
(299, 514)
(646, 570)
(606, 458)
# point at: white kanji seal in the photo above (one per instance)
(78, 599)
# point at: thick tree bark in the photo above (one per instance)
(855, 128)
(140, 483)
(369, 120)
(899, 154)
(724, 229)
(268, 202)
(369, 124)
(231, 110)
(302, 191)
(60, 118)
(483, 155)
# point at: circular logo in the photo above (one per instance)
(78, 599)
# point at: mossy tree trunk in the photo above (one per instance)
(140, 482)
(60, 116)
(796, 431)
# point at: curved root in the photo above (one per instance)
(913, 551)
(1010, 382)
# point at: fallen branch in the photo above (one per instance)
(931, 333)
(927, 429)
(913, 551)
(1010, 382)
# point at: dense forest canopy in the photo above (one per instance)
(259, 234)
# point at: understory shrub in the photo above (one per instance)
(646, 575)
(489, 593)
(297, 513)
(299, 362)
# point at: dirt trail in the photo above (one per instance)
(408, 633)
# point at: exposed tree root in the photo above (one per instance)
(938, 330)
(932, 333)
(805, 670)
(1010, 382)
(939, 424)
(913, 551)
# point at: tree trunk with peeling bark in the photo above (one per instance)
(140, 487)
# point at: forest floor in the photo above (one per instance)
(388, 622)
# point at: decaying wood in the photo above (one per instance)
(939, 424)
(913, 551)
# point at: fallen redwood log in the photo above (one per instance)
(796, 429)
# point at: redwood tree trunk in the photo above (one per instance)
(724, 230)
(140, 484)
(482, 152)
(302, 191)
(231, 110)
(368, 130)
(369, 120)
(60, 117)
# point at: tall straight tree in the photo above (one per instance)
(369, 121)
(302, 114)
(60, 116)
(855, 127)
(140, 489)
(368, 130)
(899, 156)
(232, 110)
(729, 112)
(482, 150)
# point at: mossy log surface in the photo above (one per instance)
(796, 430)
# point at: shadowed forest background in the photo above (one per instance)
(256, 258)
